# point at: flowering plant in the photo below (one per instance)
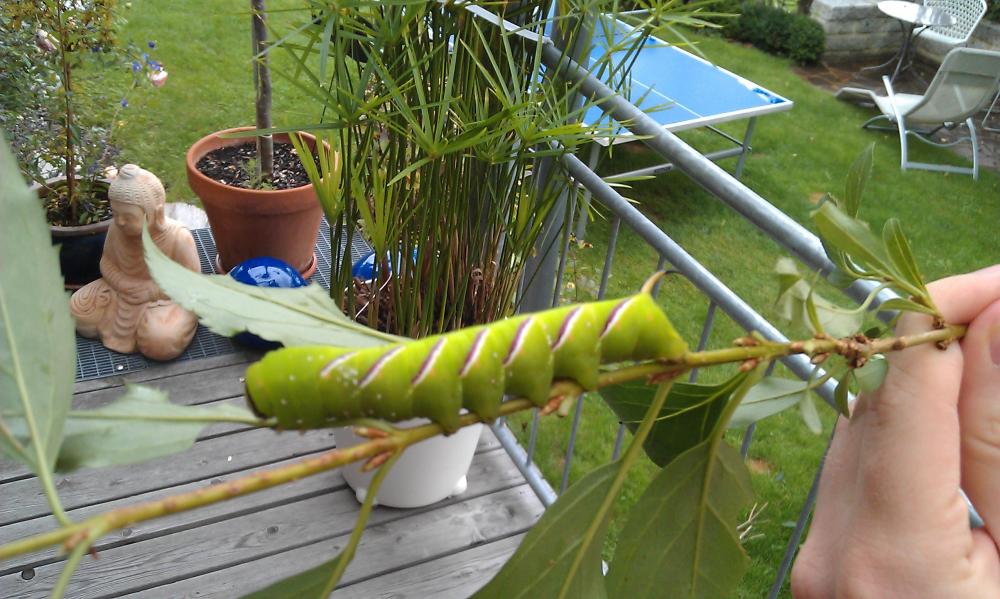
(64, 122)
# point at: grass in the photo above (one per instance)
(798, 156)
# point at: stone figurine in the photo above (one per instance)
(125, 308)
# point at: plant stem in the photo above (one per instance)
(399, 439)
(67, 85)
(631, 454)
(262, 85)
(359, 525)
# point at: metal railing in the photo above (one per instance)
(794, 238)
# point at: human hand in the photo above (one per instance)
(889, 520)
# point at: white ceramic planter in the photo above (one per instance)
(427, 472)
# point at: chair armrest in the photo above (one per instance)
(891, 95)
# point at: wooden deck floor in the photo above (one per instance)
(446, 550)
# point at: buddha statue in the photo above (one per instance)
(125, 308)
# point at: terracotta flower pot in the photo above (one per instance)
(249, 223)
(80, 247)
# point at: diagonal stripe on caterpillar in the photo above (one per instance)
(473, 368)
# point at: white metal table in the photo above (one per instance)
(913, 19)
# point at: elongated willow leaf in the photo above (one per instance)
(37, 350)
(688, 416)
(301, 316)
(768, 397)
(680, 540)
(680, 537)
(857, 178)
(901, 255)
(541, 564)
(139, 426)
(319, 581)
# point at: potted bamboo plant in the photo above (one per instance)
(258, 199)
(61, 118)
(439, 120)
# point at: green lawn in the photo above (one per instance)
(797, 156)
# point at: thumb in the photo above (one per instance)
(979, 415)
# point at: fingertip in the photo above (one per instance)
(960, 298)
(980, 414)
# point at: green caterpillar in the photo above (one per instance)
(473, 368)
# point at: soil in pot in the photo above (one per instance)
(92, 204)
(235, 165)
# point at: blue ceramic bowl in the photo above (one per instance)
(265, 272)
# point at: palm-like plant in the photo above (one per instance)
(440, 119)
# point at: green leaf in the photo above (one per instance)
(793, 304)
(807, 408)
(901, 255)
(871, 375)
(905, 305)
(768, 397)
(301, 316)
(680, 539)
(37, 347)
(852, 236)
(841, 393)
(309, 583)
(319, 581)
(139, 426)
(857, 177)
(541, 564)
(687, 418)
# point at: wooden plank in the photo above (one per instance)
(489, 471)
(385, 546)
(16, 471)
(164, 369)
(184, 388)
(454, 576)
(323, 482)
(24, 499)
(397, 539)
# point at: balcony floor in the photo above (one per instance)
(449, 549)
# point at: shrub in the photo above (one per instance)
(777, 31)
(993, 12)
(806, 40)
(764, 26)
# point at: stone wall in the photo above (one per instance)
(986, 36)
(856, 30)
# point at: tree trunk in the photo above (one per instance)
(262, 86)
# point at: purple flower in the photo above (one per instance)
(124, 102)
(136, 66)
(155, 65)
(145, 57)
(151, 44)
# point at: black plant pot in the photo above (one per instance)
(80, 250)
(80, 247)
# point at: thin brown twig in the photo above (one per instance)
(399, 439)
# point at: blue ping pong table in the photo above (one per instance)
(678, 90)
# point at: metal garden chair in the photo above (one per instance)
(967, 14)
(963, 85)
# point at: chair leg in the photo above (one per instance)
(989, 112)
(901, 126)
(868, 123)
(975, 147)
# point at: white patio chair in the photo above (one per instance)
(962, 86)
(967, 15)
